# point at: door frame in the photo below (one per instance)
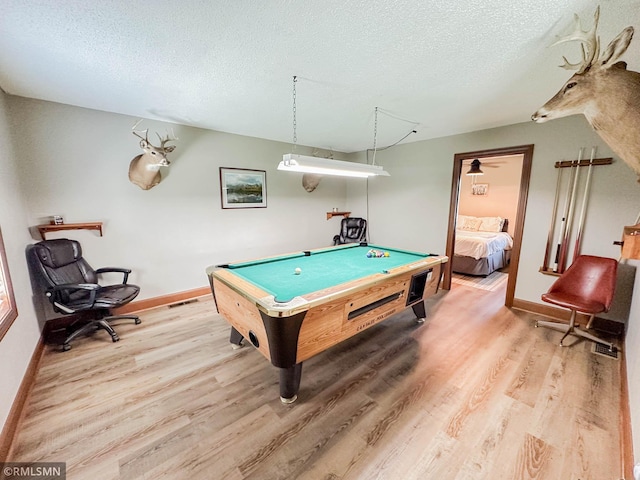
(527, 158)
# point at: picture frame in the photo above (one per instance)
(243, 188)
(8, 308)
(480, 189)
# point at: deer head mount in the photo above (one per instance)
(310, 181)
(144, 170)
(603, 90)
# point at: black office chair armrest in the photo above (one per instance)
(74, 286)
(54, 294)
(336, 239)
(124, 271)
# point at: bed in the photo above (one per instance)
(482, 245)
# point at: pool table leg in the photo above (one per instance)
(290, 383)
(419, 310)
(236, 339)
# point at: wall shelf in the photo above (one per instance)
(337, 214)
(44, 229)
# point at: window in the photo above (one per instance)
(8, 310)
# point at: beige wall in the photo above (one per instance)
(503, 177)
(78, 168)
(411, 207)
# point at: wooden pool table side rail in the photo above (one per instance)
(283, 256)
(329, 323)
(326, 320)
(241, 313)
(265, 302)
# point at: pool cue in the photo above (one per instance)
(563, 224)
(564, 253)
(547, 252)
(583, 210)
(565, 242)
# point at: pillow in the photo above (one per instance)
(491, 224)
(466, 222)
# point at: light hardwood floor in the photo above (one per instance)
(476, 392)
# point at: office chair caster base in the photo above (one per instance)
(138, 321)
(115, 338)
(66, 347)
(420, 320)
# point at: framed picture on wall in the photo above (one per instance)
(243, 188)
(479, 189)
(8, 309)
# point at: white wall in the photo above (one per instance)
(18, 344)
(76, 163)
(632, 353)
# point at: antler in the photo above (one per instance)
(163, 140)
(590, 44)
(135, 132)
(168, 138)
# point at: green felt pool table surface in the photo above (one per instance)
(319, 269)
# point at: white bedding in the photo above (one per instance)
(481, 244)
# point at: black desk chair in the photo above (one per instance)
(587, 286)
(352, 230)
(71, 286)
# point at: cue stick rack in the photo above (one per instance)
(574, 191)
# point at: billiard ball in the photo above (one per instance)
(298, 271)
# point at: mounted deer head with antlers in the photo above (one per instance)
(310, 181)
(144, 170)
(603, 90)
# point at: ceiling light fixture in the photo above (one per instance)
(293, 162)
(475, 168)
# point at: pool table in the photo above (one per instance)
(292, 307)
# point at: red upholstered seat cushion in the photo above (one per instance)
(587, 286)
(574, 302)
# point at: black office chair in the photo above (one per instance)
(352, 230)
(71, 286)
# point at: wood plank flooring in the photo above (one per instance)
(476, 392)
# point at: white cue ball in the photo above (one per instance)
(298, 271)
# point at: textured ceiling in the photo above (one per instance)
(439, 67)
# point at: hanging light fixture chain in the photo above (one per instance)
(295, 135)
(375, 135)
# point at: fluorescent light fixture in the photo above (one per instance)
(292, 162)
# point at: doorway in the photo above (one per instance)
(526, 153)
